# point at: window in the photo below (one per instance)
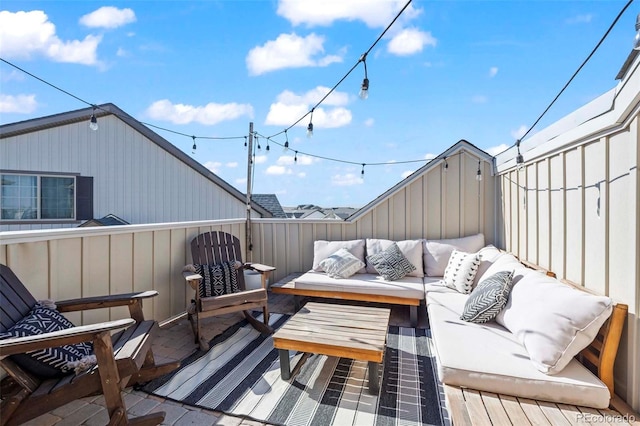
(45, 198)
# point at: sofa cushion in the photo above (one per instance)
(488, 298)
(553, 320)
(323, 249)
(488, 256)
(489, 358)
(461, 270)
(341, 264)
(391, 263)
(437, 252)
(412, 249)
(408, 287)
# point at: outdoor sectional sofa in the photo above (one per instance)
(529, 350)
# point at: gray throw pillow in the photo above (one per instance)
(391, 263)
(488, 298)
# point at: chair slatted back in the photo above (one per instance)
(217, 246)
(15, 300)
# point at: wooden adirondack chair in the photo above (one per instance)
(213, 248)
(122, 359)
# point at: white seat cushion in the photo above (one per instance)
(407, 287)
(488, 357)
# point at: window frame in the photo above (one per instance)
(39, 176)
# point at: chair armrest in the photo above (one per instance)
(98, 302)
(82, 333)
(192, 278)
(258, 267)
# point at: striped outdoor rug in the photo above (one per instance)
(240, 375)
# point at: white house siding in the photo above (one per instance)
(575, 208)
(134, 178)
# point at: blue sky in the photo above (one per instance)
(446, 70)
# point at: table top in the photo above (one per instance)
(356, 332)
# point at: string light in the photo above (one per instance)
(93, 122)
(310, 126)
(364, 89)
(194, 145)
(257, 142)
(479, 174)
(295, 157)
(286, 143)
(446, 165)
(267, 148)
(245, 141)
(362, 172)
(519, 157)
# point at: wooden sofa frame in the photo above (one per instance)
(469, 406)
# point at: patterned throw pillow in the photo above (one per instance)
(461, 270)
(488, 298)
(341, 264)
(391, 263)
(51, 362)
(218, 279)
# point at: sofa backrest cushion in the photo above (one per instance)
(488, 256)
(323, 249)
(412, 250)
(552, 320)
(437, 252)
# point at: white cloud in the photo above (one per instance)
(374, 13)
(214, 166)
(278, 170)
(303, 160)
(289, 51)
(210, 114)
(410, 41)
(430, 156)
(122, 53)
(232, 164)
(495, 150)
(479, 99)
(13, 75)
(21, 104)
(369, 122)
(28, 34)
(407, 174)
(347, 179)
(108, 17)
(519, 132)
(289, 107)
(580, 19)
(493, 71)
(302, 175)
(260, 159)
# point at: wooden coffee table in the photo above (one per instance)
(355, 332)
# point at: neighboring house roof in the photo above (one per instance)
(271, 203)
(461, 145)
(55, 120)
(108, 220)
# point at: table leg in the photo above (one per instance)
(374, 378)
(296, 303)
(285, 368)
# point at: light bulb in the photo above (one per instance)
(364, 89)
(310, 130)
(93, 123)
(286, 147)
(636, 44)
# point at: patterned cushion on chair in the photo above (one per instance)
(218, 279)
(391, 263)
(51, 362)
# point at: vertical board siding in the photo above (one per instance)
(134, 178)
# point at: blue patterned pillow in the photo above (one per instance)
(218, 279)
(391, 263)
(52, 362)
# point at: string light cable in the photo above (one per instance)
(93, 119)
(361, 59)
(593, 51)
